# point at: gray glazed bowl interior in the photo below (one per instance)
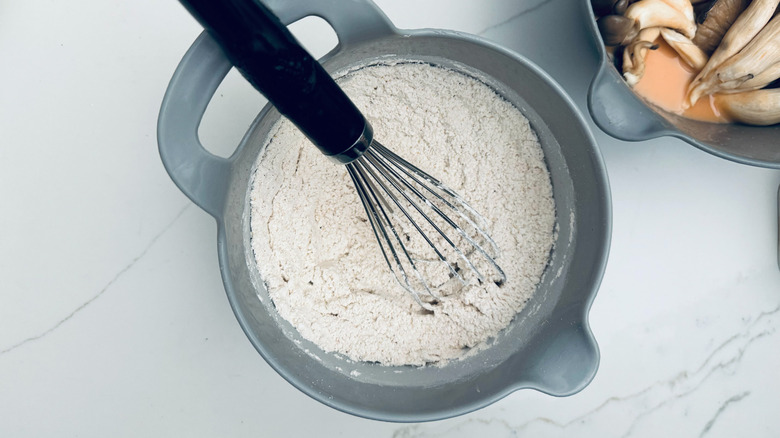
(618, 111)
(548, 346)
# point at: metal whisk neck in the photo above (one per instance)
(357, 149)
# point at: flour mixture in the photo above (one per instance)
(318, 255)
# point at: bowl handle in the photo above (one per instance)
(618, 111)
(202, 176)
(353, 21)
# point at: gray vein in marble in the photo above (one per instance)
(416, 432)
(108, 285)
(731, 400)
(673, 382)
(697, 377)
(686, 376)
(525, 11)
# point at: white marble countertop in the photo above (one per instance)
(113, 319)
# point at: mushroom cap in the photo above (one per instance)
(714, 20)
(602, 7)
(659, 13)
(617, 30)
(608, 7)
(621, 6)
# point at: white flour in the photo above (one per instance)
(320, 259)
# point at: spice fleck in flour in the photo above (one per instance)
(319, 257)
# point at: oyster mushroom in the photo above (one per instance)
(650, 17)
(674, 14)
(635, 53)
(688, 51)
(767, 78)
(755, 65)
(759, 107)
(713, 22)
(617, 30)
(607, 7)
(684, 6)
(751, 82)
(621, 6)
(747, 25)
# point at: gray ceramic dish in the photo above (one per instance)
(618, 111)
(548, 347)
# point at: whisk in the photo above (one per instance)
(427, 234)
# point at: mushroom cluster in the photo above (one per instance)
(733, 46)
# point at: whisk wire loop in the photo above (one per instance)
(378, 217)
(371, 156)
(383, 181)
(412, 172)
(395, 184)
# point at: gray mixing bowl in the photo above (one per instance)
(548, 347)
(618, 111)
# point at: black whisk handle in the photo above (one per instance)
(272, 60)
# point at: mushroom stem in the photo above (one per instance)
(758, 107)
(688, 51)
(747, 26)
(757, 62)
(752, 82)
(635, 53)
